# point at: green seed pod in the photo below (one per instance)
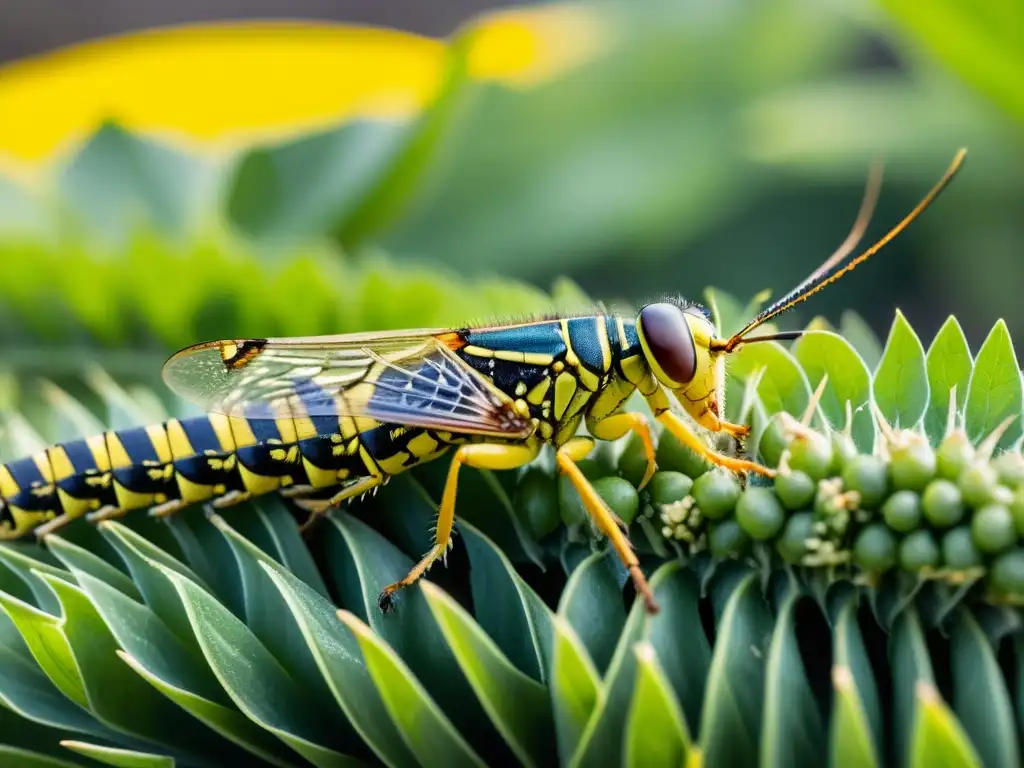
(1009, 467)
(536, 502)
(676, 457)
(942, 503)
(978, 483)
(1007, 573)
(958, 550)
(669, 487)
(773, 441)
(760, 514)
(875, 549)
(919, 550)
(811, 453)
(992, 529)
(792, 544)
(795, 489)
(632, 464)
(569, 504)
(716, 493)
(620, 496)
(955, 453)
(902, 511)
(844, 450)
(867, 476)
(911, 464)
(726, 538)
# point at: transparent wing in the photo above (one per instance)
(410, 378)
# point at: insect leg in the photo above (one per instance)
(566, 458)
(480, 456)
(319, 507)
(621, 424)
(679, 429)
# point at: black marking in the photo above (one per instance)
(243, 353)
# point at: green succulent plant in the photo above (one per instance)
(861, 606)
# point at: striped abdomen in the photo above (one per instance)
(207, 458)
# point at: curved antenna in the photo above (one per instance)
(828, 273)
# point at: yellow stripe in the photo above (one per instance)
(8, 488)
(61, 464)
(42, 462)
(565, 387)
(537, 358)
(158, 437)
(469, 349)
(119, 458)
(222, 428)
(241, 432)
(178, 440)
(192, 492)
(623, 341)
(602, 337)
(540, 389)
(97, 445)
(570, 355)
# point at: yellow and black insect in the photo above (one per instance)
(346, 413)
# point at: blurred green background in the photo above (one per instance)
(638, 149)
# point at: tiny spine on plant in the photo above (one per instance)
(328, 419)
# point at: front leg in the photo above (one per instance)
(620, 425)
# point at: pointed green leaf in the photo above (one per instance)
(225, 720)
(363, 562)
(592, 603)
(72, 419)
(506, 607)
(783, 385)
(731, 720)
(850, 740)
(949, 365)
(575, 686)
(337, 654)
(25, 561)
(857, 688)
(656, 732)
(283, 639)
(849, 381)
(911, 666)
(938, 739)
(75, 558)
(980, 698)
(209, 555)
(901, 380)
(254, 680)
(23, 758)
(792, 733)
(518, 706)
(855, 330)
(994, 391)
(121, 758)
(426, 731)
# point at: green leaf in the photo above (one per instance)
(901, 380)
(576, 690)
(656, 732)
(592, 603)
(518, 706)
(949, 365)
(850, 741)
(783, 386)
(855, 330)
(25, 561)
(792, 732)
(23, 758)
(118, 181)
(980, 698)
(938, 739)
(426, 731)
(122, 758)
(979, 42)
(254, 680)
(506, 607)
(731, 719)
(994, 392)
(849, 381)
(911, 667)
(861, 707)
(339, 659)
(76, 558)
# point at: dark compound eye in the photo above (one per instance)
(669, 340)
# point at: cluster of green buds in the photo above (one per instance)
(954, 512)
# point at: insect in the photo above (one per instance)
(340, 415)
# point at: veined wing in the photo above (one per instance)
(412, 378)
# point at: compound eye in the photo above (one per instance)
(669, 342)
